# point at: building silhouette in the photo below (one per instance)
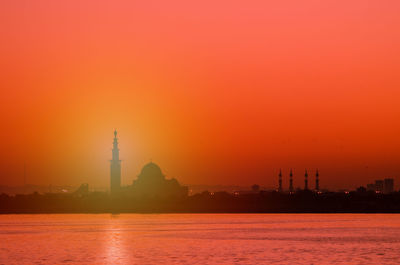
(382, 186)
(306, 180)
(280, 181)
(317, 180)
(115, 168)
(379, 185)
(151, 183)
(83, 190)
(388, 185)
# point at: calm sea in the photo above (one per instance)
(200, 239)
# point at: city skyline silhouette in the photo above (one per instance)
(287, 180)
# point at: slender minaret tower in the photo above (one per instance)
(291, 181)
(280, 181)
(306, 180)
(115, 168)
(317, 180)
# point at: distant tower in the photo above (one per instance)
(115, 168)
(280, 181)
(291, 181)
(306, 180)
(317, 180)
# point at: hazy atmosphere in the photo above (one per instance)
(214, 93)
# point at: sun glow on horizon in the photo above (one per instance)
(216, 93)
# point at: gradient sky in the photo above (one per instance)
(215, 92)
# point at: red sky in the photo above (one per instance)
(215, 92)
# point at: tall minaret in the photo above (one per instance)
(317, 180)
(115, 168)
(306, 180)
(291, 181)
(280, 181)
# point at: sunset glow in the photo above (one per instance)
(215, 92)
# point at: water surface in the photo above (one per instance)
(200, 239)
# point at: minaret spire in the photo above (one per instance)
(280, 180)
(317, 180)
(306, 180)
(115, 168)
(115, 151)
(291, 181)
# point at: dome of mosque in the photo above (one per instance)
(151, 171)
(152, 183)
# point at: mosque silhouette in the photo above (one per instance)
(152, 192)
(150, 183)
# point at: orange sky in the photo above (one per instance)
(215, 92)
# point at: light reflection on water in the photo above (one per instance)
(200, 239)
(114, 247)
